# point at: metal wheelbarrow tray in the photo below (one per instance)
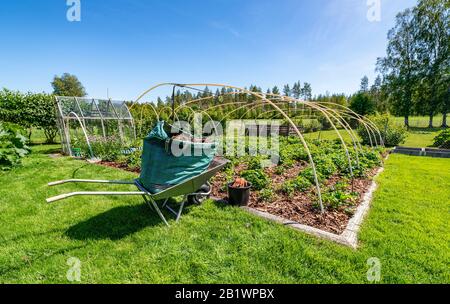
(186, 188)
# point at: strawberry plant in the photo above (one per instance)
(258, 178)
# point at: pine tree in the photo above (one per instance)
(297, 90)
(364, 87)
(287, 90)
(275, 90)
(306, 92)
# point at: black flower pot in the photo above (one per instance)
(238, 196)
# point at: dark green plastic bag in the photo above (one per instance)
(161, 169)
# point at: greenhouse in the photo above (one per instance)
(83, 122)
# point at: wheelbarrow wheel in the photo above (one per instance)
(197, 198)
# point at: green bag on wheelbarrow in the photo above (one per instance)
(167, 162)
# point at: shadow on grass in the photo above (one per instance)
(45, 148)
(221, 203)
(115, 224)
(50, 151)
(424, 130)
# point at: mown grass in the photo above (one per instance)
(417, 137)
(421, 137)
(119, 239)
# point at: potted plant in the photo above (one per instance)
(239, 192)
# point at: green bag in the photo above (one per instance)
(161, 169)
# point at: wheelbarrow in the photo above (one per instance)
(193, 190)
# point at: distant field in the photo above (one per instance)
(420, 121)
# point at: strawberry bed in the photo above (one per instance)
(287, 189)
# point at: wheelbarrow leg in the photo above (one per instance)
(181, 208)
(165, 203)
(152, 202)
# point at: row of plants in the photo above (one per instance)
(109, 148)
(13, 145)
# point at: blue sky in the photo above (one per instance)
(128, 45)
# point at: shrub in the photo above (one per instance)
(107, 149)
(258, 178)
(443, 140)
(132, 160)
(290, 153)
(340, 160)
(29, 110)
(12, 145)
(300, 184)
(279, 170)
(391, 133)
(43, 117)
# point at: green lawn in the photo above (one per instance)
(417, 137)
(421, 138)
(119, 240)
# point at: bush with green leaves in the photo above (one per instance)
(442, 140)
(13, 145)
(279, 170)
(131, 160)
(254, 163)
(362, 103)
(299, 184)
(391, 133)
(29, 110)
(258, 178)
(107, 149)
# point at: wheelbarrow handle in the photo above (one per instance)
(92, 181)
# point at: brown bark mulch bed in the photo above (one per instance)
(300, 207)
